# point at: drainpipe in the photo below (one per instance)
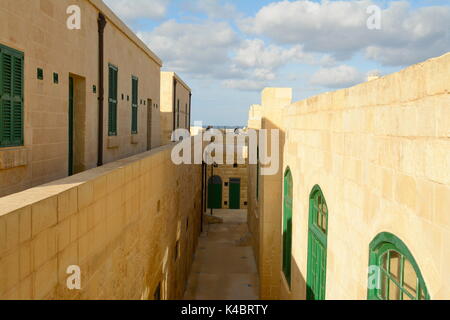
(205, 184)
(212, 181)
(190, 110)
(203, 197)
(101, 28)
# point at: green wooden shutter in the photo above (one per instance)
(71, 122)
(178, 114)
(112, 101)
(11, 97)
(134, 105)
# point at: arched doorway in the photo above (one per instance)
(317, 245)
(215, 193)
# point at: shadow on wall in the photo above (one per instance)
(299, 287)
(269, 216)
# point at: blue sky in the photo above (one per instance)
(228, 51)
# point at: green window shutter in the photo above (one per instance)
(112, 100)
(134, 105)
(178, 114)
(11, 97)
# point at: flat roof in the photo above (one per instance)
(175, 75)
(119, 24)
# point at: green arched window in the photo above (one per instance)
(287, 225)
(317, 245)
(396, 272)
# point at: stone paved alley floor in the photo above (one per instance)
(224, 267)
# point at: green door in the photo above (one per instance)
(317, 246)
(71, 126)
(235, 193)
(215, 193)
(287, 226)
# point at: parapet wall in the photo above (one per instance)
(131, 226)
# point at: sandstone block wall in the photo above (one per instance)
(380, 151)
(131, 226)
(264, 222)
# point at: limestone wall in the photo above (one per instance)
(263, 217)
(167, 101)
(38, 29)
(253, 211)
(120, 223)
(380, 152)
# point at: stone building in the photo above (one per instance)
(51, 126)
(254, 117)
(175, 105)
(364, 190)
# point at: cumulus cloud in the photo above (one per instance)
(193, 48)
(255, 53)
(215, 9)
(339, 28)
(337, 77)
(137, 9)
(212, 49)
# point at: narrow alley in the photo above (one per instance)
(224, 267)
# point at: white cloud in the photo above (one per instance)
(340, 28)
(255, 54)
(337, 77)
(214, 50)
(215, 9)
(136, 9)
(201, 49)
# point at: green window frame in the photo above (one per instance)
(317, 245)
(134, 104)
(287, 225)
(112, 100)
(11, 97)
(398, 274)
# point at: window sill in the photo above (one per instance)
(13, 157)
(113, 142)
(134, 139)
